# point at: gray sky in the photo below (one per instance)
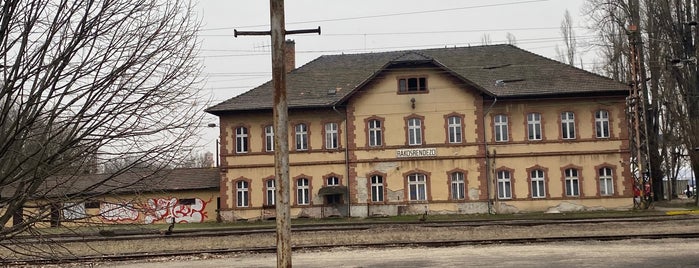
(235, 65)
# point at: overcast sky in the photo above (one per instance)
(235, 65)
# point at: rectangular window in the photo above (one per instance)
(333, 181)
(270, 192)
(269, 138)
(186, 201)
(375, 137)
(414, 131)
(454, 125)
(534, 126)
(568, 125)
(302, 192)
(412, 84)
(504, 185)
(241, 140)
(457, 186)
(242, 193)
(92, 204)
(538, 184)
(418, 187)
(377, 188)
(501, 131)
(602, 124)
(331, 137)
(606, 187)
(572, 182)
(301, 137)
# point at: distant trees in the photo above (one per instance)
(86, 82)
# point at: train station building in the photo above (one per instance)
(485, 129)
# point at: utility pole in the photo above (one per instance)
(280, 110)
(637, 103)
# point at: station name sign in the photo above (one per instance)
(421, 152)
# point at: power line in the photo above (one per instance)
(384, 15)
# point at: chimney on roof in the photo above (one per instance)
(289, 55)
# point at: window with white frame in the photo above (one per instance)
(501, 128)
(271, 195)
(417, 185)
(457, 186)
(568, 125)
(302, 192)
(331, 136)
(534, 126)
(454, 125)
(377, 187)
(242, 193)
(269, 138)
(538, 183)
(241, 140)
(414, 131)
(602, 124)
(333, 181)
(301, 137)
(606, 185)
(572, 182)
(504, 185)
(375, 138)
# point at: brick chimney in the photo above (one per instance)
(289, 55)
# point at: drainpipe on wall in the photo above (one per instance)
(347, 171)
(487, 159)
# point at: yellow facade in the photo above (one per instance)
(421, 178)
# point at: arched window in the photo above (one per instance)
(417, 184)
(414, 131)
(269, 138)
(377, 188)
(572, 182)
(606, 178)
(568, 125)
(458, 186)
(501, 131)
(242, 193)
(602, 124)
(534, 126)
(538, 183)
(504, 185)
(270, 192)
(331, 136)
(241, 140)
(454, 125)
(302, 192)
(301, 137)
(375, 133)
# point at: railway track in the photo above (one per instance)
(150, 234)
(689, 220)
(448, 243)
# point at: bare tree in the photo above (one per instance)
(485, 39)
(511, 39)
(85, 82)
(568, 34)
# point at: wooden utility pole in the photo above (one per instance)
(281, 138)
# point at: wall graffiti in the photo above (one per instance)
(118, 212)
(157, 210)
(161, 209)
